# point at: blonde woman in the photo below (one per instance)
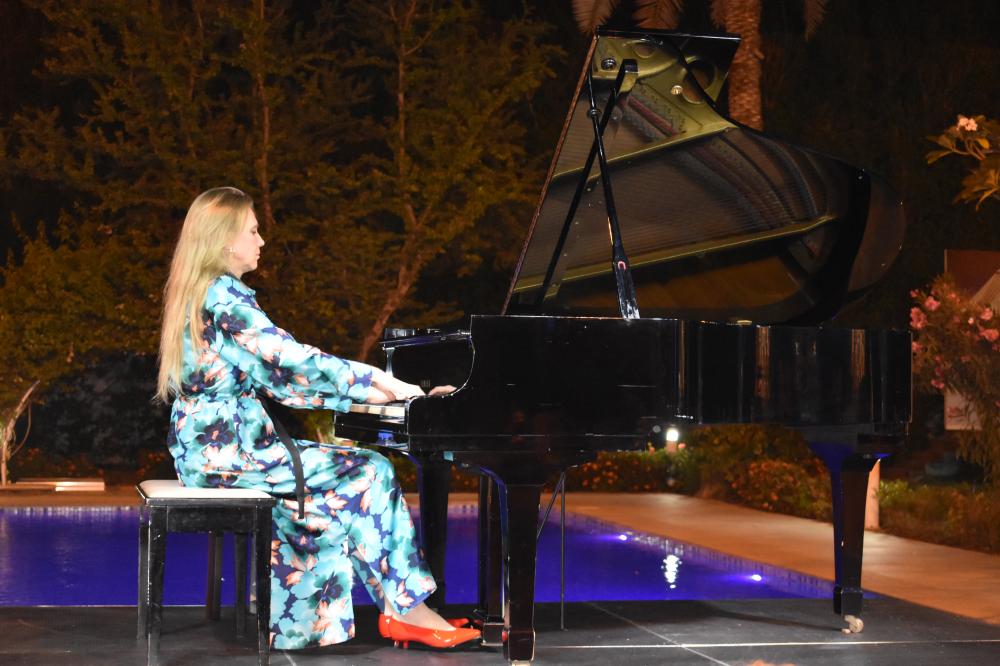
(218, 352)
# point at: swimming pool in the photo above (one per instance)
(87, 556)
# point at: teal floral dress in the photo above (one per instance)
(356, 520)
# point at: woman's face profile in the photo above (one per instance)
(245, 247)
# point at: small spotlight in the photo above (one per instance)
(673, 434)
(756, 578)
(623, 537)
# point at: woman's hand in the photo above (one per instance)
(387, 389)
(442, 390)
(378, 397)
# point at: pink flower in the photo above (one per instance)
(990, 334)
(986, 314)
(968, 124)
(931, 304)
(914, 293)
(971, 321)
(938, 384)
(917, 347)
(917, 318)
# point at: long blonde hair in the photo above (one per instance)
(213, 220)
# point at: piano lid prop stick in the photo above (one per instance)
(619, 260)
(628, 66)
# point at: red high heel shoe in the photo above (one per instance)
(457, 622)
(383, 625)
(402, 634)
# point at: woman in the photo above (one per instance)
(218, 350)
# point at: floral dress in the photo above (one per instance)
(356, 519)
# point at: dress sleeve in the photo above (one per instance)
(292, 373)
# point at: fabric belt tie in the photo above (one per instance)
(293, 450)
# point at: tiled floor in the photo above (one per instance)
(625, 634)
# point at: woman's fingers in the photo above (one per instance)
(404, 390)
(442, 390)
(379, 396)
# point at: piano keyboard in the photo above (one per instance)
(389, 411)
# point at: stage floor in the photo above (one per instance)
(785, 631)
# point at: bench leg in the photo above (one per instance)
(157, 561)
(213, 587)
(142, 604)
(252, 601)
(240, 544)
(262, 575)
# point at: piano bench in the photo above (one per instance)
(167, 506)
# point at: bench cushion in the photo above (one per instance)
(172, 489)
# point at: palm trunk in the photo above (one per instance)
(742, 17)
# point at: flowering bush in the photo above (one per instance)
(38, 463)
(784, 487)
(960, 516)
(957, 347)
(978, 138)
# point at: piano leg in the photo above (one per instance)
(434, 484)
(520, 514)
(489, 610)
(849, 477)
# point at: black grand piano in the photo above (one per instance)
(734, 248)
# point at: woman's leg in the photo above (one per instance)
(381, 536)
(311, 578)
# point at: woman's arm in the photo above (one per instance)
(295, 374)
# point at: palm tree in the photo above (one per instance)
(741, 17)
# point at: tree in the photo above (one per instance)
(7, 433)
(741, 17)
(370, 154)
(449, 147)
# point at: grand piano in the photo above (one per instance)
(680, 270)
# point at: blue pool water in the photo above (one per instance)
(88, 557)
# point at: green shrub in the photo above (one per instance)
(155, 464)
(32, 463)
(624, 471)
(951, 515)
(784, 487)
(724, 452)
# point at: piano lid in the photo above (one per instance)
(719, 222)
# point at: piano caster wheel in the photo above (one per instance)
(855, 625)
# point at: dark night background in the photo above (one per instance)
(873, 83)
